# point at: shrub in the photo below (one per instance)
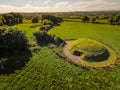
(44, 38)
(45, 27)
(114, 19)
(58, 40)
(11, 41)
(93, 19)
(85, 19)
(35, 19)
(47, 22)
(12, 19)
(52, 18)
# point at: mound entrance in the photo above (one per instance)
(90, 53)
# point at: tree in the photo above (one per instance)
(12, 40)
(12, 19)
(111, 19)
(114, 19)
(35, 19)
(85, 19)
(51, 18)
(93, 19)
(47, 22)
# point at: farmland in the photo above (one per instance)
(47, 71)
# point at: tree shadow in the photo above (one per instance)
(14, 62)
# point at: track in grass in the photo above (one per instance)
(90, 53)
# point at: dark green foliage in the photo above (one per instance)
(45, 27)
(93, 19)
(47, 22)
(12, 19)
(52, 18)
(85, 19)
(114, 19)
(1, 23)
(10, 63)
(60, 19)
(58, 40)
(35, 19)
(44, 38)
(13, 50)
(11, 41)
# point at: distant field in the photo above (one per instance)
(47, 71)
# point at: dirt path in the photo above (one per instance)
(75, 59)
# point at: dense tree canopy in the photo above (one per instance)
(35, 19)
(114, 19)
(12, 19)
(52, 18)
(85, 19)
(12, 40)
(93, 19)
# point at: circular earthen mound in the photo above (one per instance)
(92, 53)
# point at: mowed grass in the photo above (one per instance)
(47, 71)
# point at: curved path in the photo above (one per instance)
(73, 58)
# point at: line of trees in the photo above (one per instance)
(48, 21)
(11, 19)
(114, 19)
(42, 37)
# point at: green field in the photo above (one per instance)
(47, 71)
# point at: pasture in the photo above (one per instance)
(47, 71)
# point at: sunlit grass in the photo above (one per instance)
(93, 53)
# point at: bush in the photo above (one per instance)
(114, 19)
(45, 27)
(12, 19)
(44, 38)
(85, 19)
(52, 18)
(93, 19)
(11, 41)
(47, 22)
(35, 19)
(58, 40)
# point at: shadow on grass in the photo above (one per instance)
(13, 62)
(99, 58)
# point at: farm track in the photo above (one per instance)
(73, 58)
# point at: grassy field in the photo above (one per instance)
(93, 53)
(47, 71)
(108, 34)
